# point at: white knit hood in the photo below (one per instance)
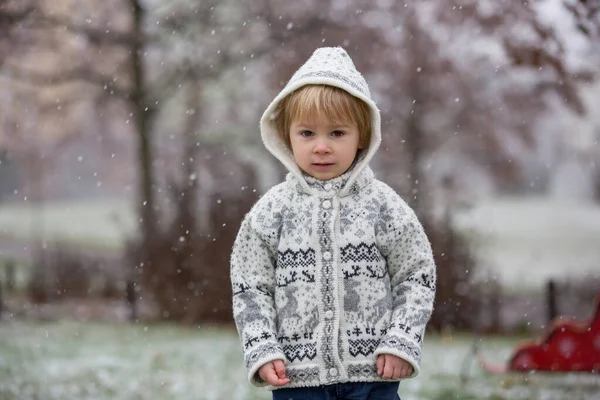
(327, 66)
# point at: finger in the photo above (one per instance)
(400, 372)
(279, 368)
(380, 364)
(281, 382)
(272, 377)
(388, 371)
(406, 370)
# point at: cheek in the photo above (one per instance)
(360, 143)
(297, 151)
(293, 147)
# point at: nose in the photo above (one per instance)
(321, 147)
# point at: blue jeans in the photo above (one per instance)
(341, 391)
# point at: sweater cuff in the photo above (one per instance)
(399, 346)
(259, 356)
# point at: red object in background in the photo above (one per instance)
(569, 347)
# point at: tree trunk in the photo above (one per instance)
(143, 117)
(414, 134)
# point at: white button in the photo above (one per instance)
(326, 204)
(329, 314)
(328, 186)
(327, 256)
(333, 372)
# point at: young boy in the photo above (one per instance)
(333, 277)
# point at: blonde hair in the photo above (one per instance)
(337, 104)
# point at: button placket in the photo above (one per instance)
(326, 242)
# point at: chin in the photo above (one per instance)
(326, 176)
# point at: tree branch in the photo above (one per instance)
(94, 35)
(79, 74)
(180, 75)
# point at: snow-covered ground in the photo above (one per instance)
(523, 242)
(72, 360)
(94, 223)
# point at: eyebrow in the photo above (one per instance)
(309, 126)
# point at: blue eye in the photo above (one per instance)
(306, 133)
(337, 133)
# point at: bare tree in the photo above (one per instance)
(143, 56)
(475, 86)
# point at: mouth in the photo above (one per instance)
(321, 165)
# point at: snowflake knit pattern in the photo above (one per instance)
(327, 275)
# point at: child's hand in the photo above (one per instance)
(392, 367)
(274, 373)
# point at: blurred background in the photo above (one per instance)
(130, 151)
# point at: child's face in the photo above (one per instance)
(323, 149)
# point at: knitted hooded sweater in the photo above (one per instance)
(327, 275)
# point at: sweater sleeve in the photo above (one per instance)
(413, 277)
(253, 284)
